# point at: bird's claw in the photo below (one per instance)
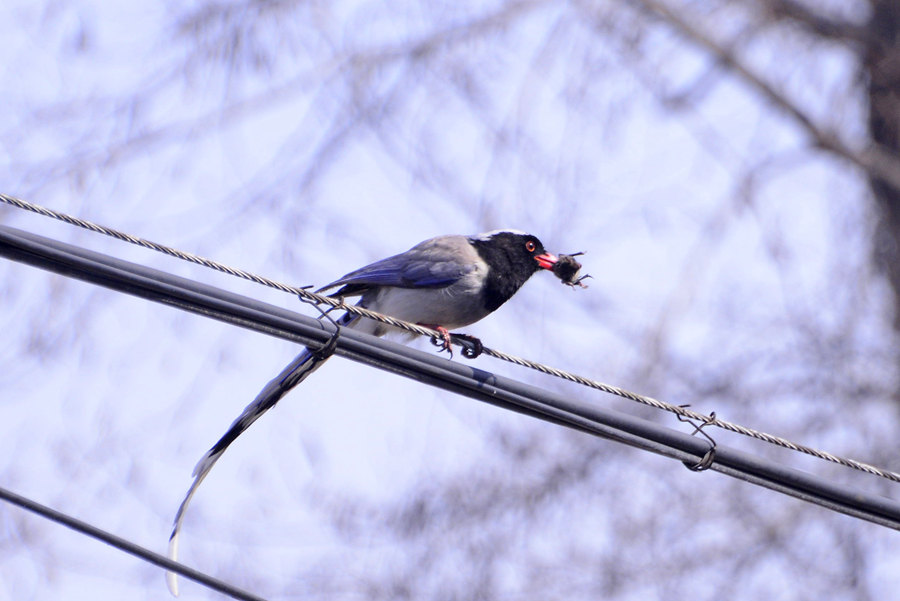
(471, 346)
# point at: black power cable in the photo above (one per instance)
(682, 412)
(126, 546)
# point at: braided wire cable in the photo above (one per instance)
(338, 303)
(683, 411)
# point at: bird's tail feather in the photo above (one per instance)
(296, 371)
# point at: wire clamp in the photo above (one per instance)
(709, 457)
(327, 349)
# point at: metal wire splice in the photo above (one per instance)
(709, 457)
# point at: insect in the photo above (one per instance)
(567, 270)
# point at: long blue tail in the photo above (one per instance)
(295, 372)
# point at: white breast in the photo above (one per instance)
(455, 306)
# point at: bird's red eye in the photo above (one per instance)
(530, 246)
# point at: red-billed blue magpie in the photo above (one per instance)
(445, 283)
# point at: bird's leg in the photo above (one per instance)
(444, 341)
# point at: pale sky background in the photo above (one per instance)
(329, 150)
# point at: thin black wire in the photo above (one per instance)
(454, 376)
(127, 546)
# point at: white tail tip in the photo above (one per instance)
(172, 577)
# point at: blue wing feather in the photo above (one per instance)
(423, 266)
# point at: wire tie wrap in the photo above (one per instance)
(709, 457)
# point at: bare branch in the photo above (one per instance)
(874, 160)
(817, 23)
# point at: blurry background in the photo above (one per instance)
(729, 166)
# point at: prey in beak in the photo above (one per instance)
(568, 269)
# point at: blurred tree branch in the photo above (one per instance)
(882, 70)
(875, 159)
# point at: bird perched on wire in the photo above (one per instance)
(444, 283)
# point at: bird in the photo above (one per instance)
(444, 283)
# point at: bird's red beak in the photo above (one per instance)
(546, 260)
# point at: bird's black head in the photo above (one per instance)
(512, 257)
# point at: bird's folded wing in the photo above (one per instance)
(412, 269)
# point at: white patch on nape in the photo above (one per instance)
(488, 235)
